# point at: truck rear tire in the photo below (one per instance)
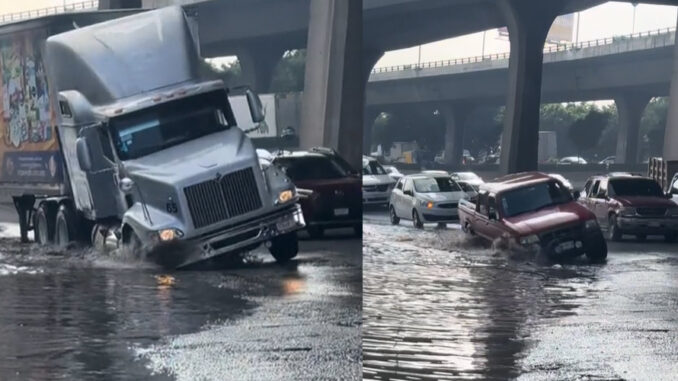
(65, 227)
(43, 224)
(284, 247)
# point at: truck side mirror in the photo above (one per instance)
(254, 103)
(84, 157)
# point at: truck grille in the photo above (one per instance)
(654, 212)
(213, 201)
(571, 232)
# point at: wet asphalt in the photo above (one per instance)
(80, 315)
(439, 306)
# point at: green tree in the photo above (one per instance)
(586, 132)
(288, 76)
(653, 125)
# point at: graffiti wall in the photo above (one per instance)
(28, 145)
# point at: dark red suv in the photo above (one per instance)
(330, 190)
(629, 204)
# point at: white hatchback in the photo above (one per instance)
(425, 198)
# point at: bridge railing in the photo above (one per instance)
(506, 55)
(35, 13)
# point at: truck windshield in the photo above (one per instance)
(533, 197)
(435, 185)
(634, 187)
(310, 168)
(150, 130)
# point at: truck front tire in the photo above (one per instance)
(284, 247)
(65, 227)
(43, 224)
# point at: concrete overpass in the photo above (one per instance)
(258, 31)
(629, 69)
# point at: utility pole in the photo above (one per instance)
(483, 53)
(419, 57)
(576, 39)
(633, 27)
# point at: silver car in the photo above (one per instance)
(425, 198)
(377, 184)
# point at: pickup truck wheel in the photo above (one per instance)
(671, 237)
(284, 247)
(596, 249)
(316, 232)
(613, 232)
(393, 216)
(65, 228)
(43, 224)
(416, 220)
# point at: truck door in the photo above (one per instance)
(602, 202)
(494, 227)
(481, 217)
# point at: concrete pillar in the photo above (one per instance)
(370, 58)
(630, 108)
(671, 133)
(370, 114)
(455, 115)
(257, 64)
(528, 23)
(333, 99)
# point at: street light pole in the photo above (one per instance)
(576, 39)
(633, 27)
(419, 57)
(483, 53)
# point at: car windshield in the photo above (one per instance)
(435, 185)
(310, 168)
(150, 130)
(372, 167)
(533, 197)
(634, 187)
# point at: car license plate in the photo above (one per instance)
(341, 212)
(286, 224)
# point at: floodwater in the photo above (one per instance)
(438, 306)
(79, 315)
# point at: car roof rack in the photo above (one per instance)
(324, 150)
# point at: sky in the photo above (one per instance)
(606, 20)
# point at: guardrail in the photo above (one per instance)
(505, 56)
(35, 13)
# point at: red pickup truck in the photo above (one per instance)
(536, 212)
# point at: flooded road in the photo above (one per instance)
(437, 306)
(82, 316)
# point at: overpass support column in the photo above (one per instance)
(370, 58)
(630, 109)
(332, 107)
(257, 65)
(671, 133)
(528, 23)
(455, 115)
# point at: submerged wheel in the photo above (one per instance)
(284, 247)
(613, 232)
(596, 249)
(65, 227)
(43, 224)
(416, 220)
(395, 220)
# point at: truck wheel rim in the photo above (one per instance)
(42, 228)
(63, 235)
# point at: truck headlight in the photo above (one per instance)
(591, 224)
(285, 196)
(627, 212)
(529, 240)
(169, 234)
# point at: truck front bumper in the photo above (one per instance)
(637, 225)
(246, 235)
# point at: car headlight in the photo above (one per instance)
(170, 234)
(591, 224)
(285, 196)
(627, 212)
(529, 240)
(672, 212)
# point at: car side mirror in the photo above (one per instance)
(83, 154)
(254, 103)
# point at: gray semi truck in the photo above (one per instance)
(149, 152)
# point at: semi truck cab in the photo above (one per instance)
(152, 151)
